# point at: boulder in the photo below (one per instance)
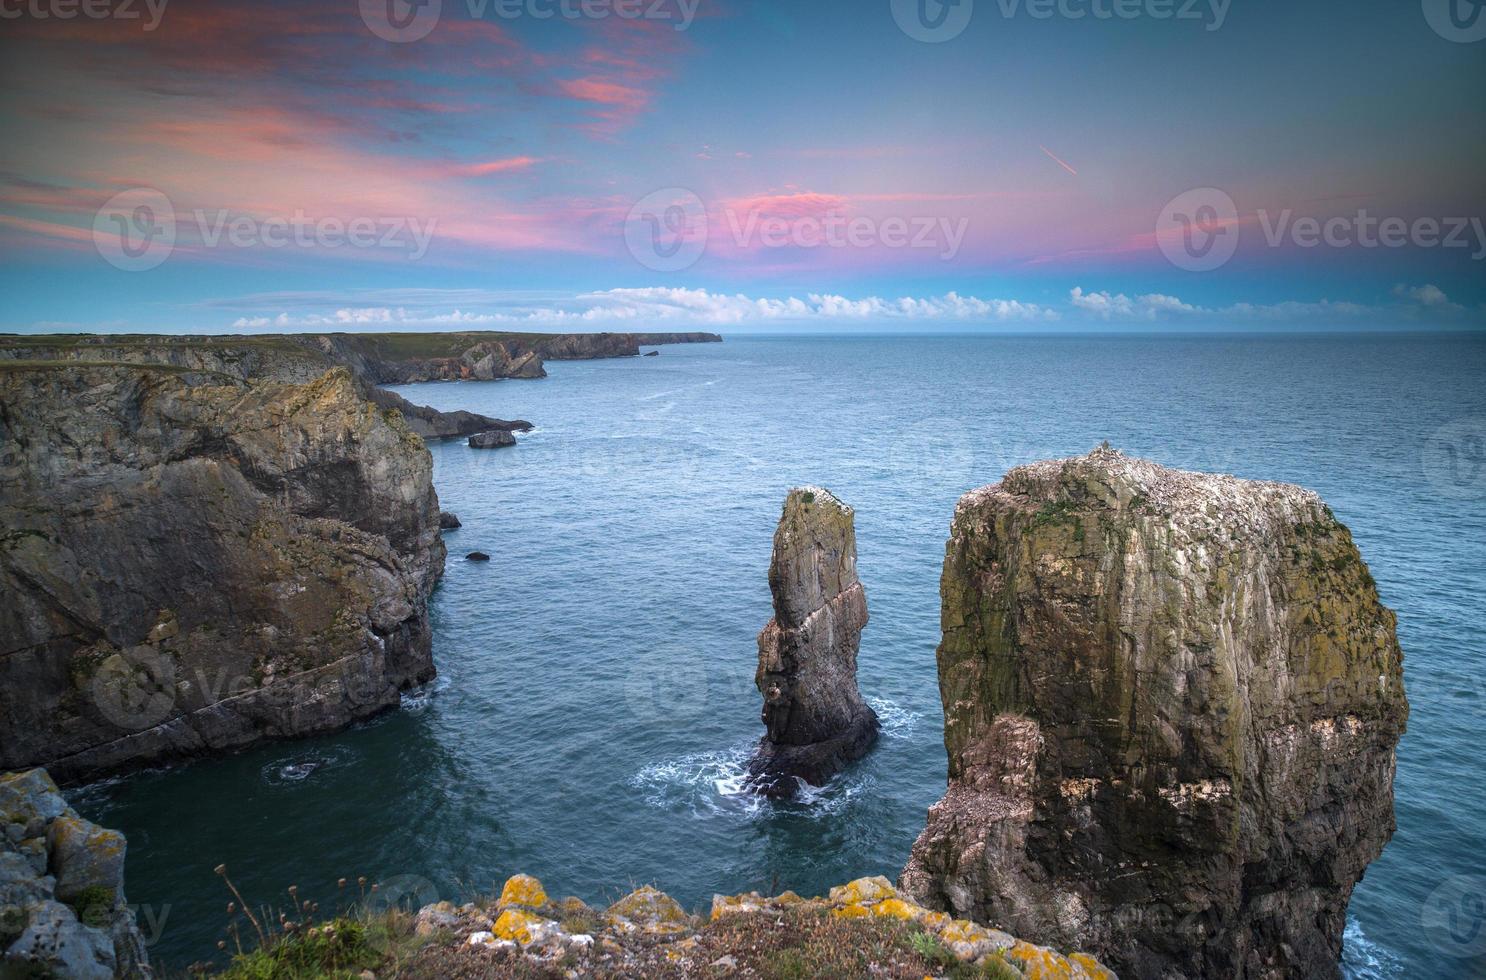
(448, 521)
(814, 714)
(494, 439)
(1171, 703)
(477, 556)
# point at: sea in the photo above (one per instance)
(595, 703)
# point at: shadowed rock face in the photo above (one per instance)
(188, 569)
(807, 661)
(1171, 705)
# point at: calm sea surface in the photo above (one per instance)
(595, 701)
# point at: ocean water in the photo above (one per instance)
(595, 701)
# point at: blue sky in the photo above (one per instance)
(1055, 165)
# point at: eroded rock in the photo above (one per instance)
(1171, 705)
(814, 714)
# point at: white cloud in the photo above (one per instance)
(1147, 307)
(1428, 295)
(670, 305)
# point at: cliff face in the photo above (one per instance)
(807, 662)
(185, 569)
(1171, 706)
(62, 907)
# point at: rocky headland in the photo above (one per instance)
(815, 719)
(209, 541)
(186, 569)
(373, 359)
(1171, 705)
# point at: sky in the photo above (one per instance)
(206, 166)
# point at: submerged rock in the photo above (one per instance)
(494, 439)
(816, 719)
(64, 915)
(652, 353)
(477, 556)
(1171, 703)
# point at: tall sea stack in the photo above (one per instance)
(807, 655)
(1171, 704)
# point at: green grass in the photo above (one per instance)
(339, 949)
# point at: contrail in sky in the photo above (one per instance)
(1057, 160)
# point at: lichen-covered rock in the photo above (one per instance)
(68, 916)
(522, 891)
(186, 569)
(814, 714)
(1171, 704)
(647, 933)
(650, 911)
(85, 856)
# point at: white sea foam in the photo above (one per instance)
(712, 783)
(1363, 959)
(897, 721)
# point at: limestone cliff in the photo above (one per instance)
(186, 569)
(62, 907)
(814, 714)
(1171, 705)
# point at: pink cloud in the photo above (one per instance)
(489, 167)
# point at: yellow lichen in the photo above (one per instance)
(518, 926)
(1092, 967)
(1039, 963)
(851, 912)
(873, 889)
(522, 891)
(896, 908)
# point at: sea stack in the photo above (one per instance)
(1171, 703)
(807, 655)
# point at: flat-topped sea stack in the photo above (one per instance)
(807, 655)
(1171, 704)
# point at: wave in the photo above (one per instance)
(1363, 959)
(713, 783)
(896, 720)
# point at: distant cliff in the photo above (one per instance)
(1171, 703)
(373, 358)
(187, 568)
